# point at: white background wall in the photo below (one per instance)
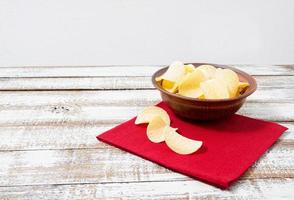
(97, 32)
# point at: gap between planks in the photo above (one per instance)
(115, 83)
(151, 181)
(71, 114)
(91, 71)
(113, 165)
(31, 99)
(30, 138)
(95, 76)
(255, 189)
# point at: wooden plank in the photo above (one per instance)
(267, 70)
(70, 114)
(94, 83)
(84, 71)
(96, 71)
(70, 137)
(245, 190)
(114, 83)
(30, 99)
(103, 165)
(52, 137)
(65, 101)
(57, 107)
(28, 120)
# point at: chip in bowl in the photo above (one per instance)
(202, 82)
(190, 86)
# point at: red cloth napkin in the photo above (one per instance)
(229, 148)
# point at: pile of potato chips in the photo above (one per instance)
(202, 82)
(159, 130)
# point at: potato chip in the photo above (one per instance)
(230, 78)
(179, 143)
(214, 89)
(193, 93)
(174, 89)
(174, 72)
(201, 96)
(167, 85)
(190, 86)
(156, 129)
(242, 87)
(208, 70)
(186, 80)
(189, 68)
(149, 113)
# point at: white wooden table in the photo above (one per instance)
(49, 117)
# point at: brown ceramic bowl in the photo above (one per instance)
(207, 109)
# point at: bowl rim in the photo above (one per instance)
(252, 87)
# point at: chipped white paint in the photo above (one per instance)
(109, 164)
(69, 137)
(51, 136)
(85, 71)
(112, 83)
(245, 190)
(113, 71)
(76, 114)
(48, 137)
(30, 99)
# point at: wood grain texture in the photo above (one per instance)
(109, 164)
(112, 71)
(68, 115)
(81, 107)
(26, 99)
(113, 83)
(72, 137)
(83, 71)
(48, 148)
(244, 189)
